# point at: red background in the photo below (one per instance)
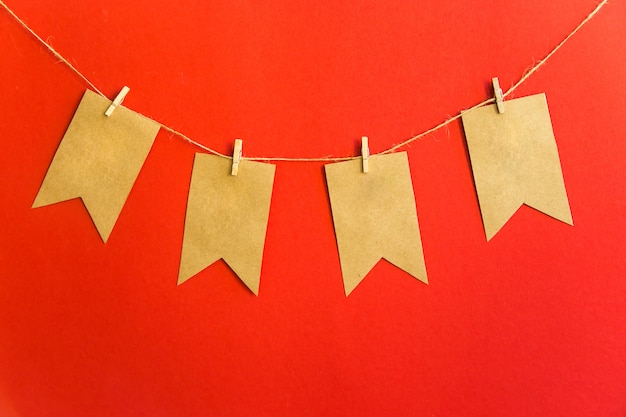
(530, 324)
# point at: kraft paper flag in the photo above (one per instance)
(515, 161)
(375, 217)
(98, 160)
(227, 217)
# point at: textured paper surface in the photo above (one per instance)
(98, 160)
(375, 217)
(515, 161)
(227, 217)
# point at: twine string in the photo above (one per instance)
(527, 74)
(51, 49)
(530, 72)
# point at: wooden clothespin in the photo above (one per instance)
(365, 154)
(498, 93)
(118, 100)
(237, 155)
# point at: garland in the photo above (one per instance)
(512, 150)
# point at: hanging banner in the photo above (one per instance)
(227, 217)
(98, 160)
(375, 217)
(515, 161)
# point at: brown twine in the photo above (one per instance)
(394, 148)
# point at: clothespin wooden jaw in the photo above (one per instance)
(498, 93)
(118, 100)
(237, 155)
(365, 154)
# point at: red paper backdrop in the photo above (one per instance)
(530, 324)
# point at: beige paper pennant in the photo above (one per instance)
(515, 161)
(374, 216)
(227, 217)
(98, 160)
